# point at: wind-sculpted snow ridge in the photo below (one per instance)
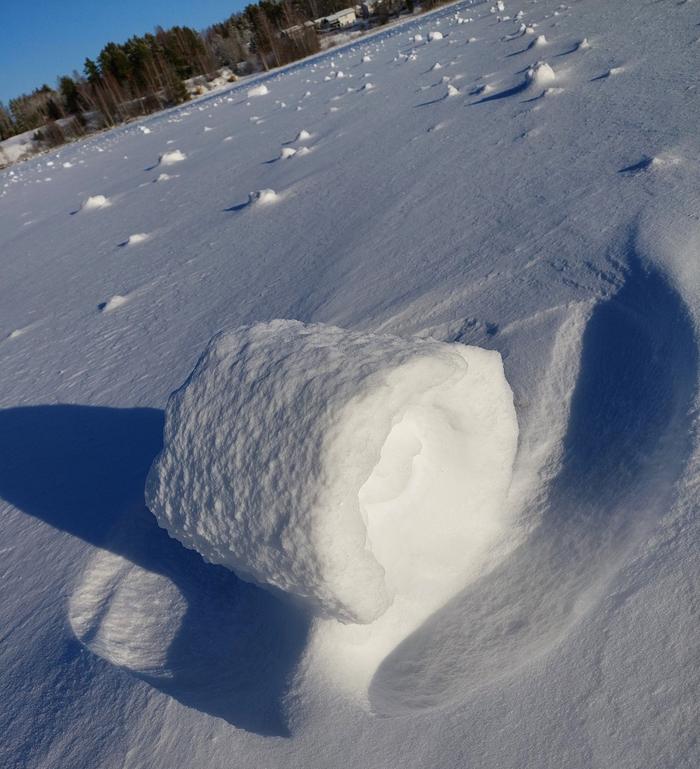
(625, 447)
(353, 472)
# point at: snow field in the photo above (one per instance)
(561, 233)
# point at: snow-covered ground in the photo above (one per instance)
(537, 194)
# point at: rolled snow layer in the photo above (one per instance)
(342, 468)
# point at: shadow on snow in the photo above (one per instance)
(82, 469)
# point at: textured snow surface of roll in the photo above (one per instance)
(342, 468)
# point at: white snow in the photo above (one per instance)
(541, 74)
(561, 233)
(95, 202)
(171, 157)
(434, 35)
(379, 475)
(262, 197)
(114, 303)
(136, 238)
(258, 90)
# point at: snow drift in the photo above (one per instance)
(341, 468)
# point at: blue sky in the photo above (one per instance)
(42, 39)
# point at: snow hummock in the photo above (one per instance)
(171, 157)
(262, 197)
(95, 202)
(541, 74)
(434, 35)
(258, 90)
(303, 136)
(350, 471)
(113, 303)
(287, 152)
(136, 238)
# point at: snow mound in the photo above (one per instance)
(262, 197)
(303, 136)
(258, 90)
(434, 35)
(341, 468)
(113, 303)
(136, 238)
(541, 74)
(95, 202)
(287, 152)
(174, 156)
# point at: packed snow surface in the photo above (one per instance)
(561, 233)
(351, 471)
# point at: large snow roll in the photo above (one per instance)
(342, 468)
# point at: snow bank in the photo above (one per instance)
(341, 468)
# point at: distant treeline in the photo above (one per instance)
(147, 72)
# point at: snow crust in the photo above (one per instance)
(348, 470)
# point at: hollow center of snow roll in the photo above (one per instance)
(436, 442)
(355, 473)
